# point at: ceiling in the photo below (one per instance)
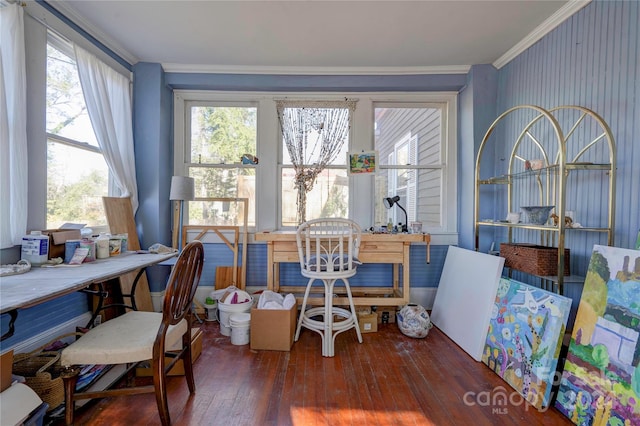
(321, 35)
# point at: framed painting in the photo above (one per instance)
(600, 384)
(525, 337)
(362, 162)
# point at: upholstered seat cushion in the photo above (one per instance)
(127, 338)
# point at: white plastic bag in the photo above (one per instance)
(272, 300)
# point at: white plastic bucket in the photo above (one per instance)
(226, 309)
(240, 324)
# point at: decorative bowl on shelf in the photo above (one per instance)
(537, 215)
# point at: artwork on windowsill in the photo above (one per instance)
(362, 162)
(600, 383)
(525, 337)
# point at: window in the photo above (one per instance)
(411, 142)
(318, 137)
(414, 134)
(219, 135)
(77, 174)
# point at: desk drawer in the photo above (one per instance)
(386, 246)
(286, 257)
(380, 257)
(284, 246)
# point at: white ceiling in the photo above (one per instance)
(321, 35)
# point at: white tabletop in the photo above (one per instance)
(42, 284)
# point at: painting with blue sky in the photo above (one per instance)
(524, 338)
(600, 383)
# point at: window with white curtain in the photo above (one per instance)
(77, 174)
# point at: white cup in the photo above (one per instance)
(513, 217)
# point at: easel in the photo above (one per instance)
(222, 272)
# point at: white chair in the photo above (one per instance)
(140, 336)
(328, 251)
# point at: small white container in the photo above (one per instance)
(102, 246)
(35, 248)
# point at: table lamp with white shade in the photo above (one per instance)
(182, 189)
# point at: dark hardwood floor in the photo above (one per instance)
(390, 379)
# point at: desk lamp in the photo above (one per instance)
(389, 202)
(182, 189)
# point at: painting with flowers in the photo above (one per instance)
(525, 337)
(600, 382)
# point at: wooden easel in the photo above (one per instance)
(120, 219)
(227, 275)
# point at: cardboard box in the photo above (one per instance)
(57, 238)
(178, 368)
(368, 322)
(273, 329)
(6, 369)
(386, 314)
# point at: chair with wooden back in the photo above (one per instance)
(141, 336)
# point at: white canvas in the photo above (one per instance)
(465, 296)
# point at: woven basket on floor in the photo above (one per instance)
(41, 371)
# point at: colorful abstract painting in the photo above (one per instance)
(600, 383)
(524, 339)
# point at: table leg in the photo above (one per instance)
(406, 255)
(270, 266)
(14, 315)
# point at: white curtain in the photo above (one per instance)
(107, 94)
(13, 127)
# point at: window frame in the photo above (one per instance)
(340, 164)
(65, 47)
(182, 155)
(269, 149)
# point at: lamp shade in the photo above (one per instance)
(182, 188)
(389, 202)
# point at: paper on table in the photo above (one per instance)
(69, 225)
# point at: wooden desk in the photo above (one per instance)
(42, 284)
(374, 248)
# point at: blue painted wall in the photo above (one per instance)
(153, 136)
(590, 60)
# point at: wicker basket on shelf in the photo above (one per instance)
(533, 259)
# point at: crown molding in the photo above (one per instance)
(98, 35)
(231, 69)
(545, 28)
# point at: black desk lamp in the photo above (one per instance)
(389, 202)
